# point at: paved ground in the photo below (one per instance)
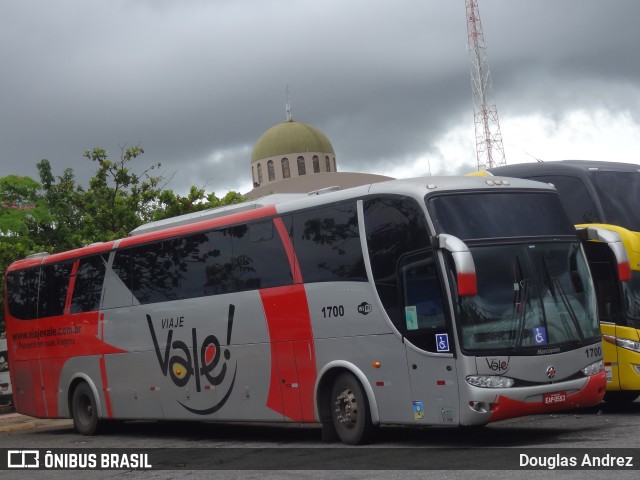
(11, 421)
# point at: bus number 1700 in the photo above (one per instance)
(333, 311)
(593, 352)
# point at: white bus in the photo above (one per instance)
(5, 380)
(428, 301)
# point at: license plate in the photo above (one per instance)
(554, 398)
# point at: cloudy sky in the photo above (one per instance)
(196, 82)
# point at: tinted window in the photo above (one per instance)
(22, 293)
(244, 257)
(87, 290)
(54, 283)
(574, 197)
(327, 244)
(618, 194)
(154, 272)
(206, 265)
(395, 226)
(500, 214)
(259, 258)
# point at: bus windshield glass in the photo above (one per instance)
(617, 194)
(500, 214)
(539, 296)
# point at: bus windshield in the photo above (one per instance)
(538, 297)
(500, 214)
(616, 191)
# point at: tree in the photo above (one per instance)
(118, 200)
(64, 202)
(171, 204)
(57, 214)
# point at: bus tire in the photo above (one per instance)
(621, 398)
(350, 410)
(84, 410)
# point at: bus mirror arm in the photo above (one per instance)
(463, 261)
(612, 239)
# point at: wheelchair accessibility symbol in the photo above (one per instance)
(540, 335)
(442, 342)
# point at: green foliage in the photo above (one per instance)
(64, 202)
(57, 214)
(171, 204)
(118, 200)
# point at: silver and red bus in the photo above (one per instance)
(427, 301)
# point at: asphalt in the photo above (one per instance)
(12, 421)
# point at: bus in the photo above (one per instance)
(427, 301)
(604, 195)
(5, 380)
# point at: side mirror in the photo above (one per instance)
(612, 239)
(463, 260)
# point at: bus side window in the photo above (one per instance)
(54, 282)
(424, 314)
(259, 257)
(327, 244)
(88, 286)
(22, 289)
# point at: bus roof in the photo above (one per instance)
(279, 204)
(563, 166)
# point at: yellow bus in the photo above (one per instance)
(605, 195)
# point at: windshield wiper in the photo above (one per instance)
(521, 298)
(552, 283)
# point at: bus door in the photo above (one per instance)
(428, 341)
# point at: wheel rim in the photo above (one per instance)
(85, 409)
(346, 408)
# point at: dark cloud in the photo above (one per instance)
(197, 82)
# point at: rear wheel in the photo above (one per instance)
(350, 410)
(84, 410)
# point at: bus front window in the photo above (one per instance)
(529, 296)
(617, 194)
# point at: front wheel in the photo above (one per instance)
(350, 410)
(84, 410)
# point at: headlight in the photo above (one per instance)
(594, 368)
(490, 381)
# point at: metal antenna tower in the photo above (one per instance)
(489, 149)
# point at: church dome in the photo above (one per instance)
(291, 137)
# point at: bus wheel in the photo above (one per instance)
(620, 398)
(84, 410)
(350, 410)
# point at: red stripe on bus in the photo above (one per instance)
(467, 284)
(591, 394)
(72, 284)
(105, 387)
(624, 272)
(202, 226)
(288, 247)
(293, 358)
